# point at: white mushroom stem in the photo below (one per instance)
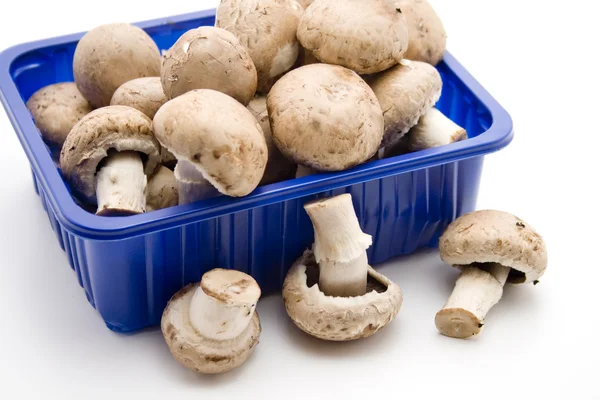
(434, 130)
(340, 247)
(121, 185)
(475, 293)
(191, 184)
(222, 307)
(303, 171)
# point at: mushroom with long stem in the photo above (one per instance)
(212, 327)
(491, 248)
(331, 292)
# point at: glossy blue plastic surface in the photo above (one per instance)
(130, 266)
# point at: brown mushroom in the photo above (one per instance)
(491, 248)
(110, 55)
(325, 117)
(209, 58)
(213, 327)
(267, 28)
(366, 36)
(101, 161)
(162, 190)
(426, 33)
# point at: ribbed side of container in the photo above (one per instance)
(130, 281)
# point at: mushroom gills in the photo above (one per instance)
(191, 184)
(477, 290)
(121, 185)
(340, 247)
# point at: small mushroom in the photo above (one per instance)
(55, 110)
(325, 117)
(433, 130)
(106, 159)
(143, 94)
(209, 58)
(406, 92)
(268, 29)
(162, 190)
(215, 139)
(366, 36)
(491, 248)
(331, 292)
(279, 168)
(110, 55)
(426, 33)
(213, 327)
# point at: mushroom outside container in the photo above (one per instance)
(131, 266)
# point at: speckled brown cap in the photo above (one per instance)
(427, 36)
(367, 36)
(143, 94)
(406, 92)
(110, 55)
(196, 352)
(218, 135)
(268, 30)
(209, 58)
(56, 109)
(338, 318)
(115, 127)
(490, 236)
(325, 117)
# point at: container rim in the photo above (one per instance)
(81, 223)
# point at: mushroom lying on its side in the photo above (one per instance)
(406, 92)
(101, 159)
(213, 327)
(331, 292)
(218, 142)
(268, 30)
(325, 117)
(279, 168)
(55, 110)
(209, 58)
(110, 55)
(491, 248)
(162, 190)
(426, 33)
(367, 36)
(433, 130)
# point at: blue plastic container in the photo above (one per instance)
(131, 266)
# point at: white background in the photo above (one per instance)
(539, 59)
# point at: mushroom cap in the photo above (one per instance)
(367, 36)
(268, 30)
(56, 109)
(338, 318)
(325, 117)
(491, 236)
(406, 92)
(196, 352)
(218, 135)
(110, 55)
(114, 127)
(209, 58)
(162, 191)
(426, 33)
(143, 94)
(279, 168)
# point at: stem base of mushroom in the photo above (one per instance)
(344, 279)
(475, 293)
(121, 185)
(191, 185)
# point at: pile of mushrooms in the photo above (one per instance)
(276, 90)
